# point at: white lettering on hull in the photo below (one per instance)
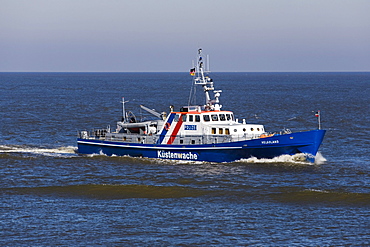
(270, 142)
(172, 155)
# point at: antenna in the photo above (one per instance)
(208, 63)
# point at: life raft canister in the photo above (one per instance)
(167, 126)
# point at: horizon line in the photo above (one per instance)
(328, 71)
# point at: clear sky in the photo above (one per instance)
(164, 35)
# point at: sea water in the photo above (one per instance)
(52, 196)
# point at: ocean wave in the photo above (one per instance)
(291, 195)
(109, 192)
(326, 197)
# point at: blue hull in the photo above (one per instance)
(307, 142)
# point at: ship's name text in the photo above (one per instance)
(270, 142)
(171, 155)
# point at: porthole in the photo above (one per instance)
(235, 130)
(244, 130)
(252, 129)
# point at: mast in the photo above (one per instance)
(206, 82)
(318, 115)
(123, 110)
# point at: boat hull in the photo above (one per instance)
(307, 142)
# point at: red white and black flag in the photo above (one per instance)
(192, 71)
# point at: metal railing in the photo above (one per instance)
(105, 134)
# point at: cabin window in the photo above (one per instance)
(252, 129)
(191, 117)
(192, 141)
(197, 118)
(176, 119)
(227, 131)
(181, 141)
(213, 130)
(206, 118)
(184, 118)
(222, 117)
(258, 129)
(214, 117)
(220, 131)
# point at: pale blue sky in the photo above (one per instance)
(164, 35)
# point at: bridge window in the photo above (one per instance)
(176, 119)
(184, 118)
(206, 118)
(191, 118)
(197, 118)
(222, 117)
(228, 116)
(214, 117)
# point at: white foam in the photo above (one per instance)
(316, 190)
(38, 150)
(319, 159)
(296, 159)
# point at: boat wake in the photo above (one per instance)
(67, 151)
(300, 158)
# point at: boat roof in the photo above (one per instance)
(201, 112)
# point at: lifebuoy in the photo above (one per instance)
(167, 126)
